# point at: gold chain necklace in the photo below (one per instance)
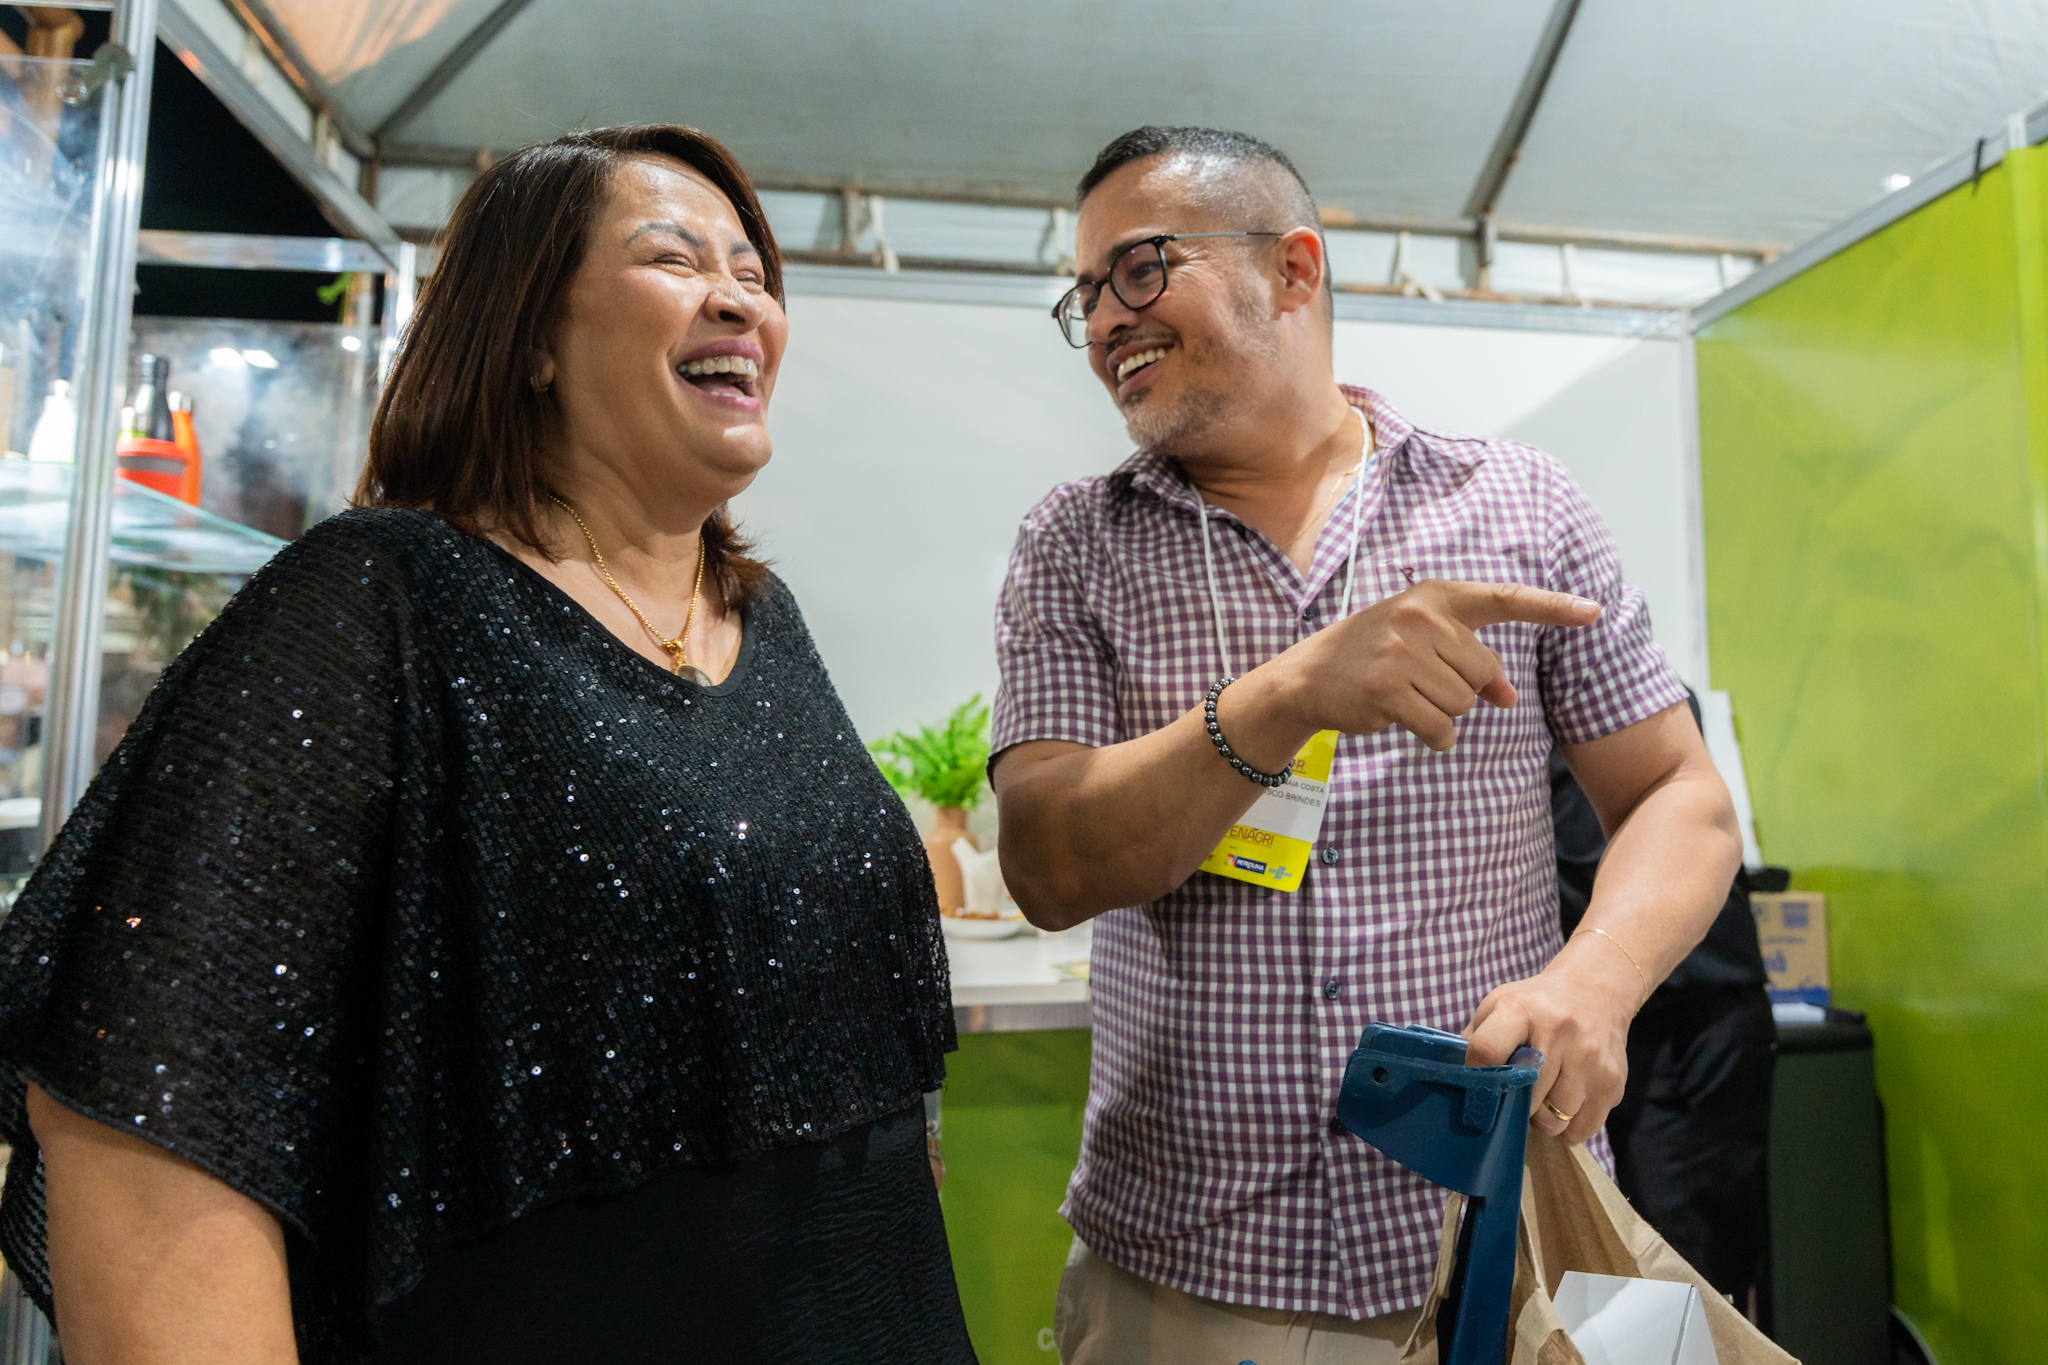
(678, 648)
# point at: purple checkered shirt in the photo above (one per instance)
(1224, 1012)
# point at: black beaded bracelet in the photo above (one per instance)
(1216, 738)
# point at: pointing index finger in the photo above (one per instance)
(1488, 604)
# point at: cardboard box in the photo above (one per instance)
(1792, 929)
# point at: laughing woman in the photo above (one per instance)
(492, 943)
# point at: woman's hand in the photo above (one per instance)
(153, 1261)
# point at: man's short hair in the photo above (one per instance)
(1223, 156)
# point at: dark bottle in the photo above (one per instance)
(150, 403)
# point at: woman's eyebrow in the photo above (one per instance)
(674, 229)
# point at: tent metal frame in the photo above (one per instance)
(449, 67)
(998, 194)
(917, 281)
(381, 148)
(353, 213)
(344, 207)
(1514, 131)
(2023, 128)
(247, 251)
(290, 60)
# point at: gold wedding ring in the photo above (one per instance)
(1557, 1113)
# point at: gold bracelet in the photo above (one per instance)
(1644, 976)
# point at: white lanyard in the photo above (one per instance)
(1350, 565)
(1271, 846)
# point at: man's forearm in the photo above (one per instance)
(1084, 831)
(1672, 851)
(1087, 830)
(1665, 875)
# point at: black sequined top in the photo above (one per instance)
(414, 900)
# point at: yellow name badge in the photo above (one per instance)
(1271, 846)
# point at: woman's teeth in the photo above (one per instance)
(1133, 362)
(719, 364)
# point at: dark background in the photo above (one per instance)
(206, 173)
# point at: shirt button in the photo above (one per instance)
(1330, 855)
(1336, 1125)
(1332, 988)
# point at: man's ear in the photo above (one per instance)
(1303, 263)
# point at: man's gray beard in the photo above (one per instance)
(1189, 420)
(1167, 428)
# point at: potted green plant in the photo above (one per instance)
(948, 768)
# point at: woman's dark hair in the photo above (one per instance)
(458, 429)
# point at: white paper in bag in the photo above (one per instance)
(1614, 1320)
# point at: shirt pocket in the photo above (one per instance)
(1390, 572)
(1382, 575)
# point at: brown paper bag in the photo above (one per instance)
(1573, 1218)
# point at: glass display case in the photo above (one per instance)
(280, 412)
(50, 164)
(109, 565)
(285, 422)
(174, 567)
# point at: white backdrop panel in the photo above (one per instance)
(910, 440)
(912, 437)
(1619, 429)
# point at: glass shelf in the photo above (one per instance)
(150, 528)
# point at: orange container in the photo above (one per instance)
(187, 440)
(154, 464)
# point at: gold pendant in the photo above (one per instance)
(684, 669)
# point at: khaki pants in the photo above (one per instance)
(1108, 1316)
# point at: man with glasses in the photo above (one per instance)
(1277, 698)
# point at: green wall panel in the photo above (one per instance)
(1872, 436)
(1011, 1117)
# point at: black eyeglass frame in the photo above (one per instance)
(1059, 310)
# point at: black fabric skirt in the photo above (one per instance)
(828, 1251)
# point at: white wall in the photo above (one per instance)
(912, 436)
(910, 440)
(1611, 409)
(1619, 428)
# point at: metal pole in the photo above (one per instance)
(400, 287)
(1700, 664)
(72, 719)
(24, 1331)
(1507, 146)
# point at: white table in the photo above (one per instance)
(1010, 985)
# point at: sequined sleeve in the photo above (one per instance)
(192, 961)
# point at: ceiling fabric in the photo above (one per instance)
(373, 53)
(1023, 95)
(1766, 120)
(1752, 120)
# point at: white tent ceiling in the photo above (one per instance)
(1750, 120)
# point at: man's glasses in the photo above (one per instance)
(1137, 276)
